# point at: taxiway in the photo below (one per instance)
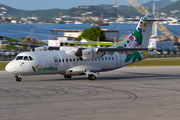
(141, 93)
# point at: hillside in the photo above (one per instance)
(16, 13)
(105, 10)
(158, 4)
(174, 6)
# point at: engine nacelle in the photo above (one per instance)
(44, 48)
(70, 50)
(83, 52)
(91, 53)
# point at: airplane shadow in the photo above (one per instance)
(133, 75)
(128, 76)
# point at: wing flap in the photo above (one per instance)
(111, 51)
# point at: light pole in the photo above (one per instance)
(33, 27)
(115, 13)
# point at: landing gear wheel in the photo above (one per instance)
(67, 76)
(18, 79)
(92, 77)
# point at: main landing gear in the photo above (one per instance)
(18, 78)
(91, 77)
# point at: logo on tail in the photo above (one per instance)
(140, 36)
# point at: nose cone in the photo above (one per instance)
(9, 68)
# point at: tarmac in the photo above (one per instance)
(129, 93)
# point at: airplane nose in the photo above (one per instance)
(8, 68)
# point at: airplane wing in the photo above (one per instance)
(120, 49)
(82, 52)
(111, 51)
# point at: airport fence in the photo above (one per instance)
(6, 58)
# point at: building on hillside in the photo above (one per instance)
(3, 40)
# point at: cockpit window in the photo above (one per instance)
(19, 58)
(30, 58)
(26, 58)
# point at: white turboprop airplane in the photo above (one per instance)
(70, 61)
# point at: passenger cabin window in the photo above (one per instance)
(112, 58)
(55, 61)
(74, 59)
(59, 60)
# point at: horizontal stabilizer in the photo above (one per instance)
(154, 20)
(151, 49)
(145, 20)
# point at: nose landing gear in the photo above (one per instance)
(67, 76)
(18, 78)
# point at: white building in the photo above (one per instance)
(13, 21)
(69, 35)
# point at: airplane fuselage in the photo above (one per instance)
(58, 62)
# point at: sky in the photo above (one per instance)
(60, 4)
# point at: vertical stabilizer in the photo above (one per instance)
(140, 37)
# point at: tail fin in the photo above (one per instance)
(140, 37)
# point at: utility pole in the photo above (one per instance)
(154, 30)
(154, 7)
(115, 13)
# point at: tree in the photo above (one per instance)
(11, 47)
(92, 34)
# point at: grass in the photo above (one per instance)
(2, 65)
(157, 62)
(149, 62)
